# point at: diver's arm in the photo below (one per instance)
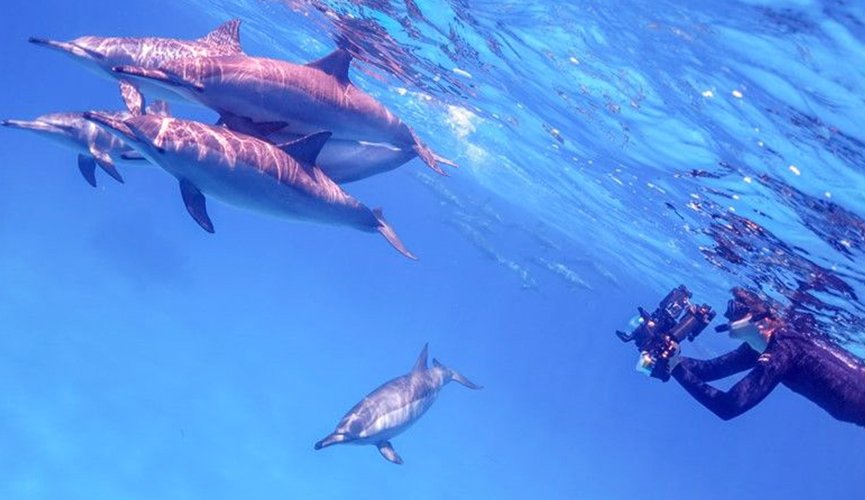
(739, 360)
(743, 396)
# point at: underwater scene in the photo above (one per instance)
(432, 249)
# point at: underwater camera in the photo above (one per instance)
(659, 334)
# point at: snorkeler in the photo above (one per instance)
(775, 351)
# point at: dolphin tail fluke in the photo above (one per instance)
(457, 377)
(157, 75)
(431, 159)
(330, 441)
(389, 234)
(387, 451)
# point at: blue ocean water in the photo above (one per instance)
(608, 151)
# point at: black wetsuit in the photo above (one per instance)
(823, 373)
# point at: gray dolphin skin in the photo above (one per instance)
(104, 53)
(348, 161)
(246, 172)
(394, 407)
(261, 97)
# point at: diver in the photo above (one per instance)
(775, 350)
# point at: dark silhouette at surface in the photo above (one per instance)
(813, 367)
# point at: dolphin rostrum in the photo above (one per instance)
(261, 96)
(245, 171)
(94, 145)
(393, 407)
(104, 53)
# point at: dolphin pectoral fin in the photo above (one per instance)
(389, 234)
(104, 161)
(387, 451)
(196, 204)
(335, 64)
(132, 98)
(306, 149)
(420, 363)
(330, 441)
(87, 167)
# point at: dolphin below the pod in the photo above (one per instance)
(244, 171)
(263, 97)
(94, 145)
(394, 407)
(104, 53)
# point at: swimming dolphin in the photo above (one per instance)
(246, 172)
(94, 145)
(393, 407)
(103, 53)
(261, 96)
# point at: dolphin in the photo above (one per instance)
(394, 407)
(260, 97)
(104, 53)
(245, 171)
(95, 146)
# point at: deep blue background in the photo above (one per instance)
(143, 358)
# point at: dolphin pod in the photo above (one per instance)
(279, 103)
(243, 170)
(266, 96)
(392, 408)
(287, 135)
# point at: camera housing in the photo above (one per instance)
(659, 333)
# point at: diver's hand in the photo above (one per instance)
(667, 361)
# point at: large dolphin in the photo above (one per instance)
(245, 171)
(104, 53)
(94, 145)
(262, 96)
(394, 407)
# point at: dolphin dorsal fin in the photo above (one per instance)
(132, 98)
(335, 64)
(306, 149)
(226, 36)
(159, 108)
(420, 364)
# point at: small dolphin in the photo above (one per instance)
(245, 171)
(261, 96)
(394, 407)
(94, 145)
(103, 53)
